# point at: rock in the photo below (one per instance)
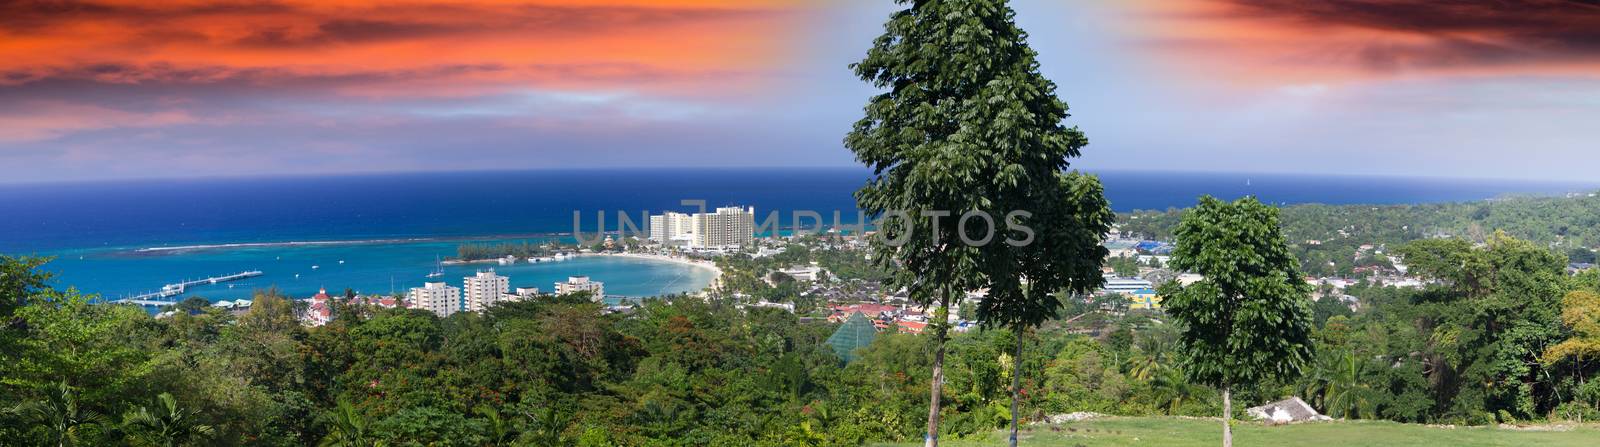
(1071, 417)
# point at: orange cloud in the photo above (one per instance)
(400, 47)
(1297, 41)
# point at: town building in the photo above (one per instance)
(1125, 286)
(670, 227)
(810, 273)
(484, 289)
(1144, 299)
(575, 284)
(437, 297)
(319, 309)
(729, 227)
(525, 293)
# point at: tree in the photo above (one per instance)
(70, 338)
(1500, 308)
(1124, 266)
(166, 425)
(193, 305)
(20, 279)
(966, 124)
(1580, 312)
(60, 417)
(1249, 318)
(348, 428)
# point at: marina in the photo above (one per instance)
(157, 298)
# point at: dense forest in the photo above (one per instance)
(1324, 234)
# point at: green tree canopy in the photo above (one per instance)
(966, 123)
(1250, 318)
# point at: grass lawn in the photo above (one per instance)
(1160, 431)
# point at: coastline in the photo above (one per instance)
(716, 272)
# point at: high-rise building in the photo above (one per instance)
(575, 284)
(436, 297)
(728, 227)
(670, 226)
(485, 289)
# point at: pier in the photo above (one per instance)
(158, 298)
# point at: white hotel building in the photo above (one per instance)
(485, 289)
(575, 284)
(728, 227)
(669, 227)
(436, 297)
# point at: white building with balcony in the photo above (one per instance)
(437, 297)
(484, 289)
(575, 284)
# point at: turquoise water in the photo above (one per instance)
(367, 268)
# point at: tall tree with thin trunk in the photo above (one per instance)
(965, 124)
(1025, 282)
(1250, 318)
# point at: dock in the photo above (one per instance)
(158, 298)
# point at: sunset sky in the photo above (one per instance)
(112, 89)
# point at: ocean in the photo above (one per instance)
(388, 229)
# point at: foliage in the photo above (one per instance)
(1249, 319)
(968, 124)
(1569, 224)
(166, 424)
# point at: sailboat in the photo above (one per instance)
(438, 269)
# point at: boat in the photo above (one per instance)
(314, 267)
(438, 269)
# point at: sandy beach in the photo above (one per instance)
(716, 271)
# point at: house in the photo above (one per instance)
(765, 304)
(874, 311)
(319, 309)
(804, 274)
(1144, 299)
(911, 327)
(1125, 286)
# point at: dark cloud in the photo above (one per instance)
(349, 25)
(1461, 33)
(38, 15)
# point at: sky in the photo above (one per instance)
(114, 89)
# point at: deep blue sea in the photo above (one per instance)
(97, 230)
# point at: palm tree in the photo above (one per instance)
(1338, 387)
(350, 428)
(1172, 390)
(63, 421)
(1155, 354)
(166, 425)
(501, 431)
(549, 426)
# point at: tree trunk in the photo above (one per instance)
(1227, 415)
(1016, 385)
(939, 330)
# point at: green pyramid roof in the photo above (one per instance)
(856, 332)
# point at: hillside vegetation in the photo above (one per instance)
(1178, 432)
